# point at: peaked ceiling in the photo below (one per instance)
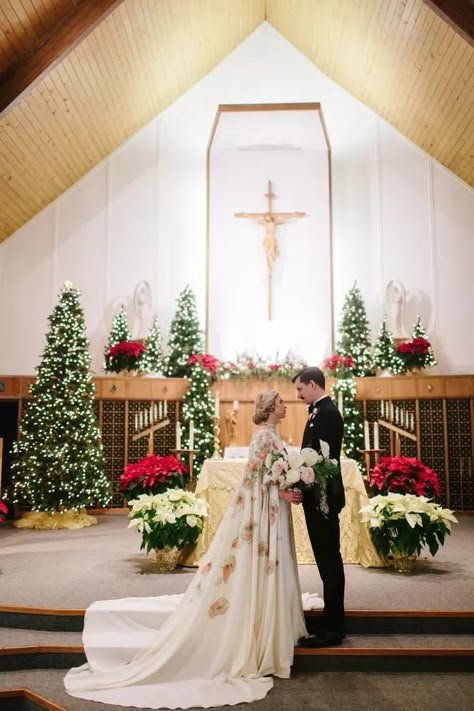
(79, 77)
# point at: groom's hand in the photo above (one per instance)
(292, 496)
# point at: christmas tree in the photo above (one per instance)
(354, 333)
(151, 360)
(353, 419)
(419, 332)
(198, 406)
(185, 336)
(385, 354)
(58, 460)
(118, 334)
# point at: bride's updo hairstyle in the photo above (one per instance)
(264, 404)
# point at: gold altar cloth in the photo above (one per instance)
(218, 480)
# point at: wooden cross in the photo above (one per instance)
(270, 220)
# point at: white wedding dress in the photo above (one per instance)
(220, 641)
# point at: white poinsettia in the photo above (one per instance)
(191, 520)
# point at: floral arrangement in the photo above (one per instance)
(338, 366)
(247, 366)
(169, 520)
(152, 475)
(302, 470)
(404, 475)
(208, 361)
(414, 354)
(3, 509)
(401, 524)
(124, 355)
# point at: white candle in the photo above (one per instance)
(165, 408)
(376, 435)
(391, 412)
(235, 405)
(151, 414)
(340, 402)
(140, 419)
(136, 422)
(156, 411)
(191, 434)
(178, 436)
(412, 421)
(216, 405)
(160, 410)
(366, 435)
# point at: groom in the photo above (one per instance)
(324, 423)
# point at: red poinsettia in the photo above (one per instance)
(337, 365)
(3, 509)
(124, 355)
(404, 475)
(208, 361)
(152, 475)
(414, 353)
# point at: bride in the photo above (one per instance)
(238, 621)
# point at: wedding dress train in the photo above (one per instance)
(220, 641)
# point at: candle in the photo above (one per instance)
(340, 402)
(160, 410)
(366, 435)
(216, 405)
(136, 422)
(151, 414)
(412, 421)
(165, 408)
(156, 411)
(235, 405)
(178, 436)
(191, 434)
(391, 412)
(140, 419)
(376, 435)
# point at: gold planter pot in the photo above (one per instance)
(167, 558)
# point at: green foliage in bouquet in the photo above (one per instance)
(173, 519)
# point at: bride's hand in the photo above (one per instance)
(292, 496)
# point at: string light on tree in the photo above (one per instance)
(385, 354)
(344, 391)
(58, 463)
(185, 336)
(354, 333)
(198, 408)
(151, 360)
(118, 333)
(419, 332)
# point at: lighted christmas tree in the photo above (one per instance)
(353, 419)
(185, 336)
(385, 354)
(58, 463)
(198, 406)
(419, 332)
(118, 334)
(151, 360)
(354, 333)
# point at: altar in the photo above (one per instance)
(219, 479)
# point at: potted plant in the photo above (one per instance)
(152, 475)
(167, 522)
(404, 475)
(414, 354)
(124, 356)
(401, 524)
(338, 366)
(3, 510)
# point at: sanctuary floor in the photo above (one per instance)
(71, 569)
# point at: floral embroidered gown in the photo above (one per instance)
(236, 624)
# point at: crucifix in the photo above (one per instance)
(270, 220)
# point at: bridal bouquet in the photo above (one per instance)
(302, 470)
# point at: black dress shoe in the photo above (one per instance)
(326, 639)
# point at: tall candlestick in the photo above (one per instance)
(178, 436)
(376, 435)
(191, 434)
(216, 405)
(235, 405)
(340, 402)
(366, 435)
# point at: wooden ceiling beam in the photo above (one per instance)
(84, 16)
(457, 13)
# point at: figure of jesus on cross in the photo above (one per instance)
(270, 220)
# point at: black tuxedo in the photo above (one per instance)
(325, 423)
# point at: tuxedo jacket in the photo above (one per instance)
(326, 424)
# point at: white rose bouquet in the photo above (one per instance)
(168, 520)
(302, 470)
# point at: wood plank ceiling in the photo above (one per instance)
(110, 67)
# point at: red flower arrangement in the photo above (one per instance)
(208, 361)
(338, 366)
(3, 509)
(152, 475)
(124, 355)
(414, 353)
(404, 475)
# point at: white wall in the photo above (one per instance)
(141, 215)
